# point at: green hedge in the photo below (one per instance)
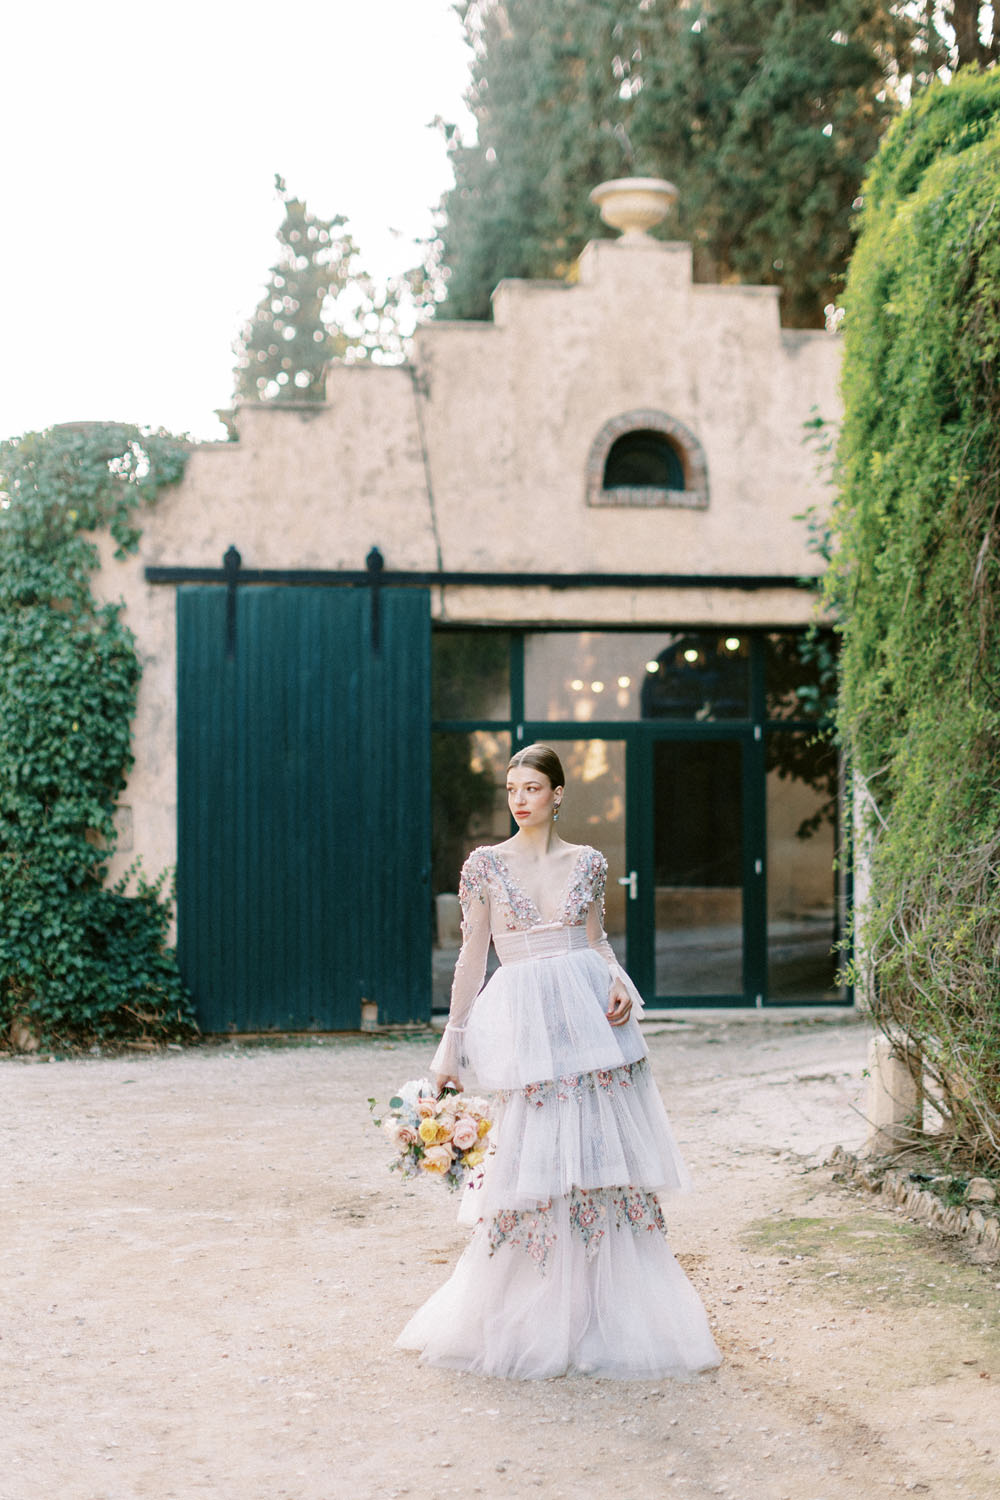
(79, 960)
(916, 582)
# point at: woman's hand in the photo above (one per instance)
(619, 1004)
(445, 1081)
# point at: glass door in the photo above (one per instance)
(692, 880)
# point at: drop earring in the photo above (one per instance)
(555, 815)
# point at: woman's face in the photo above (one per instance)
(531, 797)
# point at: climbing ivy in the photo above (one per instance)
(80, 959)
(916, 581)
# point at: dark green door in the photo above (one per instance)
(303, 806)
(696, 908)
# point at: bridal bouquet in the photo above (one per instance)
(445, 1137)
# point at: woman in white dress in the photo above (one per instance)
(568, 1268)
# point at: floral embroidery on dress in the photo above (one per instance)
(519, 910)
(573, 1086)
(473, 880)
(588, 1217)
(487, 874)
(592, 1213)
(587, 886)
(530, 1229)
(569, 1088)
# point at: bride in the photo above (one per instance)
(568, 1268)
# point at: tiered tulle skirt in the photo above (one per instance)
(568, 1269)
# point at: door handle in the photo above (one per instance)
(632, 881)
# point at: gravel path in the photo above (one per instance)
(205, 1262)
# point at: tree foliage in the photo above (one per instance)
(319, 305)
(283, 351)
(916, 578)
(78, 960)
(763, 112)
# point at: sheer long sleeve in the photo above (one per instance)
(449, 1059)
(598, 939)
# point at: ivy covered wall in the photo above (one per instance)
(79, 960)
(916, 582)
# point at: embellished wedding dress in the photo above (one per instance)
(568, 1268)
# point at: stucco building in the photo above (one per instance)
(577, 522)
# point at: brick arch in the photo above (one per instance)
(694, 495)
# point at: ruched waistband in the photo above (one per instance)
(539, 942)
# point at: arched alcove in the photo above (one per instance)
(647, 458)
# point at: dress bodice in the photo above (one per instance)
(487, 877)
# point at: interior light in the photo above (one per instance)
(597, 687)
(652, 666)
(624, 682)
(576, 685)
(732, 643)
(690, 654)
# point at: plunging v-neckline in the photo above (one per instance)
(561, 905)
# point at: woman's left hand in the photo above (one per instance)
(619, 1004)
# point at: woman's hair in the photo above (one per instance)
(540, 758)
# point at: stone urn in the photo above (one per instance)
(634, 204)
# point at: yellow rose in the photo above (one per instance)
(472, 1158)
(428, 1132)
(484, 1128)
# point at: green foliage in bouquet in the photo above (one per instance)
(79, 960)
(915, 580)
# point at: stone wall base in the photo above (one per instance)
(979, 1230)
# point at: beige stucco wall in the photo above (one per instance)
(474, 458)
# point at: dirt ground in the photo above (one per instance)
(204, 1263)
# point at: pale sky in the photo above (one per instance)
(138, 216)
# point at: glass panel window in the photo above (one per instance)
(800, 674)
(698, 867)
(470, 674)
(697, 675)
(805, 901)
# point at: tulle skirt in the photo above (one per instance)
(568, 1269)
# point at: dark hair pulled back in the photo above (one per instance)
(540, 758)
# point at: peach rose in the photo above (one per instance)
(446, 1128)
(399, 1134)
(426, 1108)
(465, 1133)
(437, 1159)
